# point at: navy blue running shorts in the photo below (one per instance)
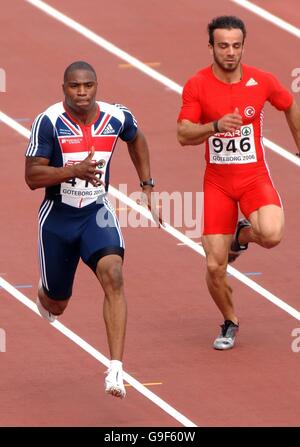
(67, 234)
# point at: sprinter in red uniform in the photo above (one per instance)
(223, 107)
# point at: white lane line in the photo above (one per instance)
(103, 43)
(269, 17)
(113, 49)
(14, 125)
(280, 151)
(98, 356)
(177, 234)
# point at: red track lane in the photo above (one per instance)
(172, 320)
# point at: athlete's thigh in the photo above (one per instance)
(102, 236)
(58, 254)
(220, 211)
(259, 193)
(268, 220)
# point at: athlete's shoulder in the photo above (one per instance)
(196, 84)
(52, 113)
(55, 109)
(115, 109)
(257, 73)
(200, 76)
(204, 73)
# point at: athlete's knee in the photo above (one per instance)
(112, 276)
(271, 238)
(57, 307)
(53, 306)
(215, 270)
(270, 242)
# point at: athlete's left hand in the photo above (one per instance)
(148, 200)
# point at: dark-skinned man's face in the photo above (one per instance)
(80, 89)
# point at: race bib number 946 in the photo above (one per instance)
(236, 147)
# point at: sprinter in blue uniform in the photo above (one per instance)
(69, 155)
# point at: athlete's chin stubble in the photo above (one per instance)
(225, 67)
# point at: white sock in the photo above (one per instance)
(116, 364)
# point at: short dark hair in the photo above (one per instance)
(225, 22)
(78, 65)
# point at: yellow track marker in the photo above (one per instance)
(125, 208)
(146, 384)
(181, 243)
(122, 208)
(150, 64)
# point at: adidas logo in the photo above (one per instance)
(251, 82)
(108, 130)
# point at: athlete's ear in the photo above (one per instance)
(211, 49)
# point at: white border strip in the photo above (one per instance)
(177, 234)
(108, 46)
(98, 356)
(269, 17)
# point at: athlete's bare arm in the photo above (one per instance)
(293, 118)
(139, 153)
(189, 133)
(38, 173)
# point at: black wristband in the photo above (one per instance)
(216, 127)
(149, 182)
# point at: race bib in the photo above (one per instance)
(236, 147)
(77, 192)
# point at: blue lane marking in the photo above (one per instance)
(248, 273)
(20, 286)
(20, 120)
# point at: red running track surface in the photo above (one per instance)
(45, 379)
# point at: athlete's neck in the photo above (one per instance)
(84, 117)
(230, 77)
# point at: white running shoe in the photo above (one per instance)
(114, 382)
(44, 312)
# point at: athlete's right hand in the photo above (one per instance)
(230, 122)
(87, 170)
